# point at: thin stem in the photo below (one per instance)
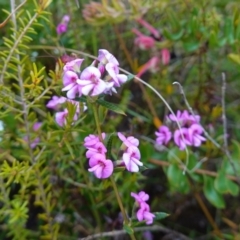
(125, 217)
(95, 113)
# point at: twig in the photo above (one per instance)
(138, 229)
(10, 15)
(225, 134)
(198, 171)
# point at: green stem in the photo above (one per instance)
(125, 217)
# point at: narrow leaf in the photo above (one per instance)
(111, 106)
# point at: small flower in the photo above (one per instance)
(116, 78)
(70, 84)
(144, 214)
(97, 148)
(90, 82)
(55, 102)
(142, 41)
(91, 140)
(163, 135)
(131, 159)
(60, 118)
(195, 137)
(140, 197)
(101, 167)
(73, 65)
(105, 57)
(181, 138)
(176, 118)
(129, 141)
(62, 26)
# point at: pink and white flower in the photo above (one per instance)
(73, 65)
(100, 166)
(90, 82)
(143, 213)
(131, 159)
(129, 141)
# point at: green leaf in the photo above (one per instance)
(160, 215)
(111, 106)
(233, 188)
(178, 180)
(191, 46)
(214, 197)
(234, 58)
(128, 229)
(81, 99)
(109, 145)
(220, 183)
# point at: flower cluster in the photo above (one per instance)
(99, 165)
(102, 76)
(62, 26)
(145, 42)
(143, 213)
(56, 103)
(190, 133)
(102, 167)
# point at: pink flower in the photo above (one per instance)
(181, 138)
(101, 167)
(90, 82)
(195, 137)
(131, 159)
(163, 135)
(165, 56)
(66, 18)
(144, 214)
(176, 118)
(129, 141)
(62, 26)
(55, 102)
(97, 148)
(140, 197)
(36, 126)
(142, 41)
(91, 140)
(70, 84)
(116, 78)
(73, 65)
(60, 118)
(105, 57)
